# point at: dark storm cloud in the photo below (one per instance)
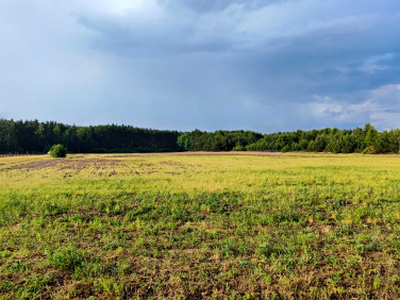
(262, 65)
(150, 40)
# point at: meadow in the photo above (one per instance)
(238, 226)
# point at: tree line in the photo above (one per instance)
(361, 140)
(38, 137)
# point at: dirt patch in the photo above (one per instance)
(126, 155)
(69, 164)
(171, 163)
(35, 165)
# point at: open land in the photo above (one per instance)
(200, 225)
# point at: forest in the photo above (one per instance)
(366, 139)
(37, 137)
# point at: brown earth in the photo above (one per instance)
(69, 164)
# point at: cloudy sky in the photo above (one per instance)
(264, 65)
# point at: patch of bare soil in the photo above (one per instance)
(69, 164)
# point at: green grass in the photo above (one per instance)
(188, 226)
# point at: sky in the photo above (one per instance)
(262, 65)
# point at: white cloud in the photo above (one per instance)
(381, 107)
(372, 64)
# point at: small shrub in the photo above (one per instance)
(369, 150)
(239, 147)
(58, 151)
(286, 148)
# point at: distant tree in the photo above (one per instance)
(358, 136)
(394, 137)
(311, 146)
(320, 143)
(238, 147)
(347, 143)
(8, 138)
(371, 136)
(383, 142)
(334, 144)
(185, 141)
(303, 144)
(296, 147)
(285, 148)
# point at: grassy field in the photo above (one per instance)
(200, 226)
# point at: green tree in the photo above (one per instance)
(8, 138)
(383, 142)
(371, 136)
(334, 144)
(185, 141)
(347, 143)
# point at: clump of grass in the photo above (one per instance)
(66, 258)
